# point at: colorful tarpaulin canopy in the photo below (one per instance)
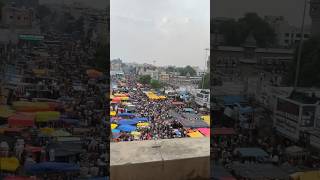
(115, 130)
(113, 113)
(140, 119)
(9, 164)
(25, 106)
(47, 131)
(143, 124)
(195, 134)
(47, 116)
(127, 128)
(51, 167)
(92, 73)
(206, 119)
(113, 126)
(22, 120)
(127, 122)
(126, 114)
(204, 131)
(6, 111)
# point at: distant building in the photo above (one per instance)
(297, 115)
(116, 65)
(315, 16)
(229, 59)
(17, 17)
(287, 35)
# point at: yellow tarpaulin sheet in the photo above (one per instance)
(31, 106)
(142, 124)
(47, 131)
(40, 71)
(6, 111)
(120, 95)
(124, 98)
(113, 113)
(9, 164)
(47, 116)
(195, 134)
(111, 96)
(206, 119)
(136, 134)
(314, 175)
(113, 126)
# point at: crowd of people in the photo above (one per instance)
(79, 99)
(161, 123)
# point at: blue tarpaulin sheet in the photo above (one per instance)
(231, 100)
(46, 167)
(127, 128)
(141, 119)
(127, 122)
(126, 114)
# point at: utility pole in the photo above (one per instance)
(296, 80)
(205, 65)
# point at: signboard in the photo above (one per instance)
(31, 37)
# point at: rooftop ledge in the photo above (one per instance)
(170, 159)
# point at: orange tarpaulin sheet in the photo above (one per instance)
(92, 73)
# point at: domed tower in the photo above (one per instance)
(315, 16)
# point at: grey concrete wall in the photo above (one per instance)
(180, 169)
(171, 159)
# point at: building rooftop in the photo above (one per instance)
(156, 151)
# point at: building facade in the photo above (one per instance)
(315, 16)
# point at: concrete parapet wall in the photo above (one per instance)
(174, 159)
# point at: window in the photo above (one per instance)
(306, 35)
(287, 34)
(18, 17)
(298, 35)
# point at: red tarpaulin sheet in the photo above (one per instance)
(204, 131)
(177, 103)
(223, 131)
(21, 120)
(33, 149)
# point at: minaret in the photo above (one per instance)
(315, 16)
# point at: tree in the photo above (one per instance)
(236, 32)
(171, 69)
(309, 65)
(183, 71)
(145, 79)
(205, 81)
(155, 84)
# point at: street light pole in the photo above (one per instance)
(300, 47)
(206, 58)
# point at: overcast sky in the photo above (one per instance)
(292, 10)
(170, 32)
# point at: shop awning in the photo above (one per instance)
(22, 120)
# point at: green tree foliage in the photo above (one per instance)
(145, 79)
(236, 32)
(183, 71)
(309, 65)
(155, 84)
(205, 81)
